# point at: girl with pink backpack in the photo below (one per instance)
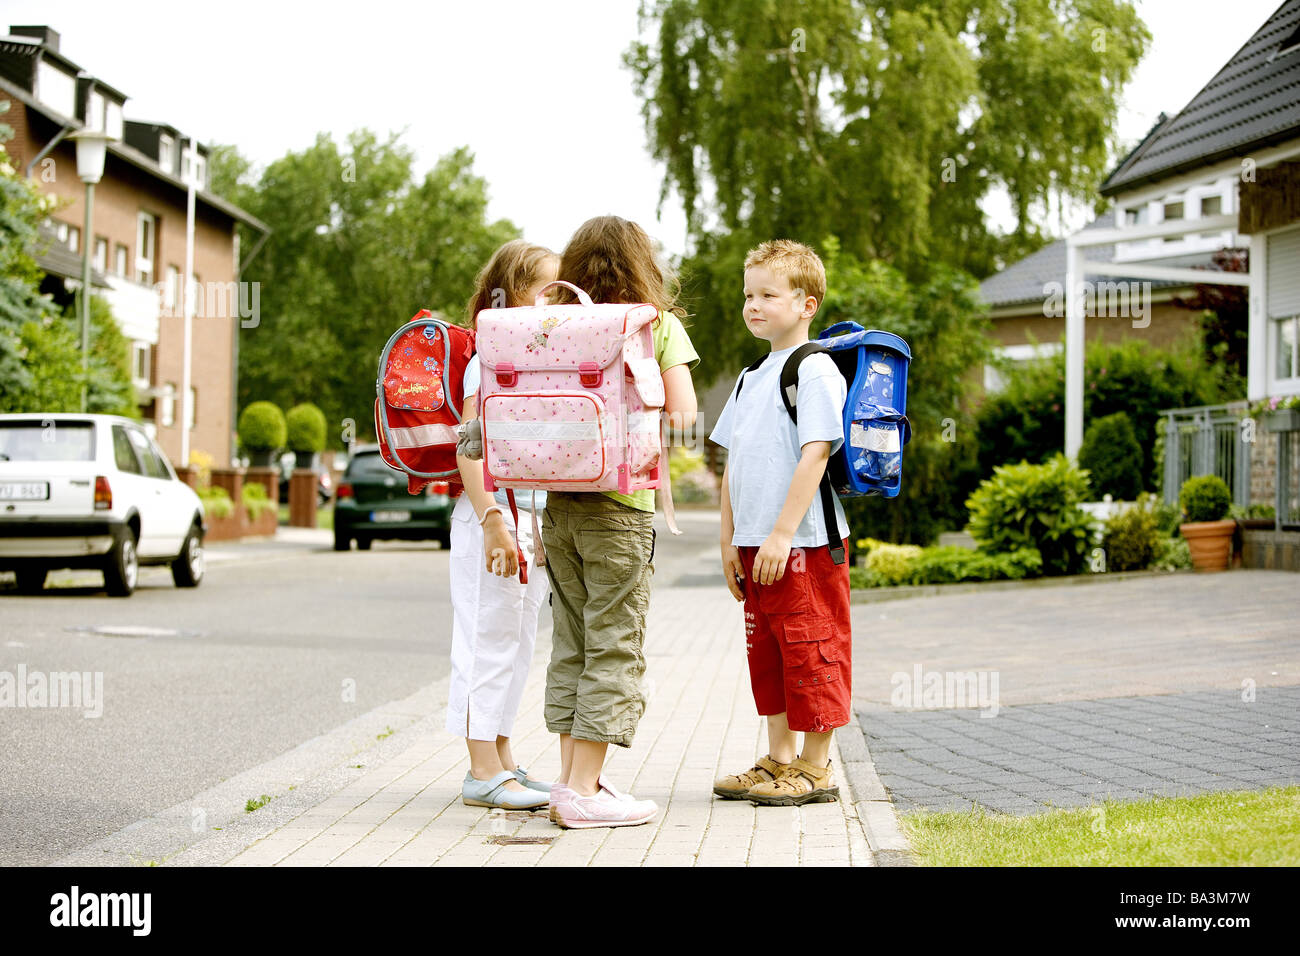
(494, 623)
(600, 548)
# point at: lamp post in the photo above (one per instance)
(92, 144)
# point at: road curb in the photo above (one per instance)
(874, 809)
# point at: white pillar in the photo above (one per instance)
(188, 293)
(1074, 345)
(1257, 324)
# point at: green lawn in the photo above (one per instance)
(1248, 828)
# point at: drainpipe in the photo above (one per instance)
(48, 148)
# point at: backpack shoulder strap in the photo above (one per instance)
(749, 368)
(790, 377)
(790, 398)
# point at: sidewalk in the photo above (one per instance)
(699, 724)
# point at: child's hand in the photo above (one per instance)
(733, 571)
(499, 549)
(769, 563)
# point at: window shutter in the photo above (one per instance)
(1284, 274)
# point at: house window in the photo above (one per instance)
(56, 88)
(1173, 210)
(113, 120)
(140, 363)
(145, 230)
(173, 291)
(101, 254)
(120, 260)
(1137, 216)
(167, 407)
(1012, 357)
(74, 238)
(95, 111)
(199, 167)
(167, 153)
(1211, 206)
(1286, 342)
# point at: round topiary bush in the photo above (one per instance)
(262, 427)
(306, 428)
(1204, 498)
(1111, 454)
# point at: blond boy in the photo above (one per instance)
(775, 540)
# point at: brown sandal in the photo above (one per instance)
(737, 785)
(798, 783)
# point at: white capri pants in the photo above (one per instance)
(493, 631)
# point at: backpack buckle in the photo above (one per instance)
(590, 375)
(507, 377)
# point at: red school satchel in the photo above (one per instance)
(419, 398)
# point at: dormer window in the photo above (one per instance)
(167, 153)
(56, 89)
(200, 168)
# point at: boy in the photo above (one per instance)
(796, 602)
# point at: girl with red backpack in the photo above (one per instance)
(494, 623)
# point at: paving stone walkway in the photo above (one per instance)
(1029, 758)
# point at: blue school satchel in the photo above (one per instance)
(874, 365)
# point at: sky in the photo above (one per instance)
(535, 88)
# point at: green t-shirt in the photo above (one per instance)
(672, 347)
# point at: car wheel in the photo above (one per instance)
(122, 569)
(363, 544)
(31, 580)
(187, 569)
(342, 542)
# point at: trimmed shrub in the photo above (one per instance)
(1132, 537)
(305, 428)
(1034, 506)
(1172, 554)
(262, 427)
(255, 499)
(216, 502)
(951, 564)
(1111, 454)
(1204, 498)
(893, 562)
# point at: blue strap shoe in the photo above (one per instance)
(493, 793)
(522, 776)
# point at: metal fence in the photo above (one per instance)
(1209, 440)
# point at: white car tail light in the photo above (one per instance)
(103, 494)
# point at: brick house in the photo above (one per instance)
(139, 243)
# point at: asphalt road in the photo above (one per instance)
(281, 643)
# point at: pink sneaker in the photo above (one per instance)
(572, 811)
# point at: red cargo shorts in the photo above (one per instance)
(800, 641)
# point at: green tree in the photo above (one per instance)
(358, 246)
(884, 124)
(22, 207)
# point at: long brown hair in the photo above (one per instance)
(508, 275)
(613, 260)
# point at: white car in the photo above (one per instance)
(93, 491)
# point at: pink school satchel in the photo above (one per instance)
(571, 398)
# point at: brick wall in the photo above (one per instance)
(123, 193)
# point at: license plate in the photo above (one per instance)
(379, 516)
(24, 491)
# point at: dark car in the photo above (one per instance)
(372, 502)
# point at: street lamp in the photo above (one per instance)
(92, 144)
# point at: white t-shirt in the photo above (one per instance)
(763, 446)
(530, 500)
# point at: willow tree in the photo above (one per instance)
(883, 123)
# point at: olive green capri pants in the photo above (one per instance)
(599, 555)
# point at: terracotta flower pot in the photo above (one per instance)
(1210, 543)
